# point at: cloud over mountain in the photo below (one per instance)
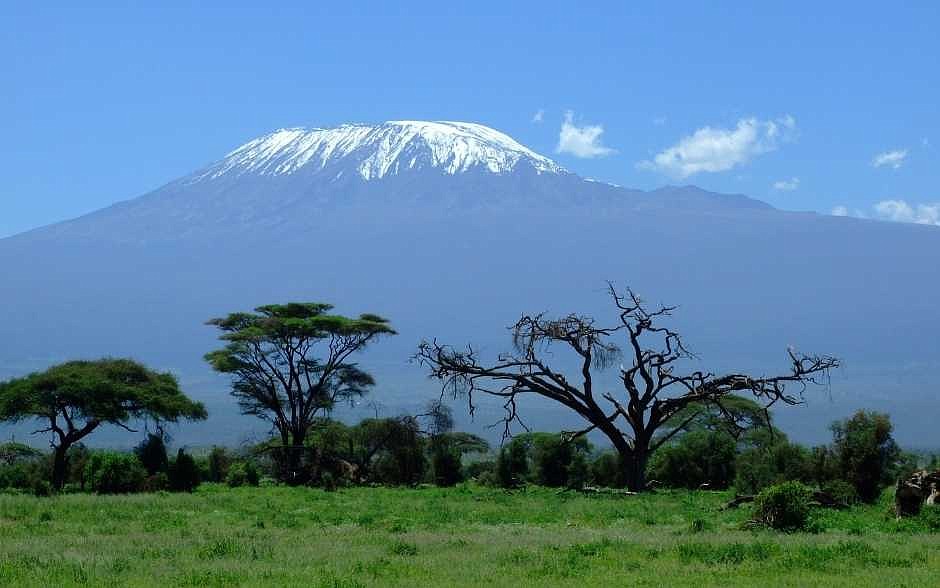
(581, 141)
(711, 149)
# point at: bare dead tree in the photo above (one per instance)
(639, 418)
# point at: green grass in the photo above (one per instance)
(467, 536)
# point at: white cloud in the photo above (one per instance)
(584, 141)
(901, 211)
(539, 115)
(715, 150)
(787, 185)
(840, 211)
(895, 158)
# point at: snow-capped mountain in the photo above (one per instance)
(452, 230)
(376, 151)
(292, 177)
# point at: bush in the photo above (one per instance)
(761, 467)
(841, 491)
(547, 459)
(397, 449)
(24, 475)
(111, 472)
(242, 474)
(512, 464)
(477, 469)
(445, 464)
(42, 488)
(219, 464)
(552, 456)
(152, 454)
(489, 478)
(784, 507)
(328, 482)
(699, 457)
(579, 472)
(182, 473)
(251, 474)
(78, 455)
(157, 482)
(866, 454)
(236, 476)
(607, 470)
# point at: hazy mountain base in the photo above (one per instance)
(447, 537)
(750, 281)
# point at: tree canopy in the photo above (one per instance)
(73, 399)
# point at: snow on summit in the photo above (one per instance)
(376, 151)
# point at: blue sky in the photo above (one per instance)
(103, 102)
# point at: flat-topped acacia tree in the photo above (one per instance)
(73, 399)
(290, 364)
(647, 412)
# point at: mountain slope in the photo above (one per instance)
(477, 231)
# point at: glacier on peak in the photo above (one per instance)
(376, 151)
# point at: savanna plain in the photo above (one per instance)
(461, 536)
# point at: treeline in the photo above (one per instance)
(856, 466)
(380, 451)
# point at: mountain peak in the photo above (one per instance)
(376, 151)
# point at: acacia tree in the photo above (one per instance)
(290, 364)
(638, 419)
(77, 397)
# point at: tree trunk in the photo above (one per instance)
(634, 468)
(285, 458)
(60, 463)
(295, 461)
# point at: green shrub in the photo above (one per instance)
(489, 478)
(551, 457)
(512, 465)
(328, 482)
(697, 458)
(400, 459)
(252, 477)
(445, 466)
(78, 455)
(476, 469)
(236, 476)
(929, 517)
(784, 507)
(841, 491)
(157, 482)
(579, 472)
(42, 488)
(866, 454)
(111, 472)
(24, 475)
(607, 470)
(760, 467)
(152, 454)
(182, 473)
(219, 463)
(241, 474)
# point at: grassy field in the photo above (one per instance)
(446, 537)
